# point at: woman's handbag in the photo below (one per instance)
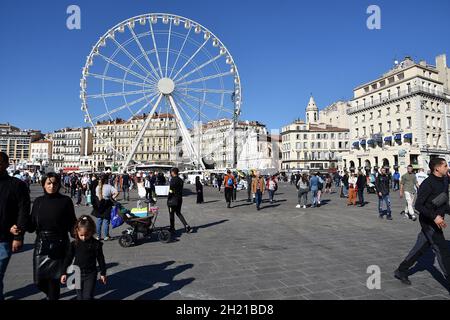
(172, 202)
(50, 245)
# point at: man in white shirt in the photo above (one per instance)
(421, 176)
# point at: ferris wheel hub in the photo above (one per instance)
(166, 86)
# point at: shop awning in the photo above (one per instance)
(68, 169)
(398, 136)
(407, 136)
(363, 142)
(370, 141)
(356, 144)
(388, 138)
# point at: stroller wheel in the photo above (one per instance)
(164, 236)
(126, 241)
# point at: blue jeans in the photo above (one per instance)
(271, 194)
(386, 199)
(105, 224)
(5, 255)
(314, 197)
(258, 198)
(126, 192)
(345, 191)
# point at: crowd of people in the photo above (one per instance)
(52, 219)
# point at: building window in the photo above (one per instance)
(389, 126)
(399, 124)
(379, 113)
(388, 111)
(409, 121)
(371, 116)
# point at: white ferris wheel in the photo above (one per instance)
(157, 64)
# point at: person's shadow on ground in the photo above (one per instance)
(22, 293)
(426, 263)
(204, 226)
(32, 289)
(137, 281)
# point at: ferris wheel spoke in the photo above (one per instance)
(201, 90)
(191, 58)
(156, 48)
(122, 48)
(197, 111)
(120, 66)
(145, 106)
(219, 75)
(168, 46)
(124, 106)
(199, 68)
(142, 131)
(185, 133)
(136, 39)
(209, 104)
(118, 94)
(191, 121)
(138, 84)
(179, 52)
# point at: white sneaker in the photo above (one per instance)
(304, 207)
(298, 206)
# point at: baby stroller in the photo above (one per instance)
(142, 227)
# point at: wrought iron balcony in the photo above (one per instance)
(395, 96)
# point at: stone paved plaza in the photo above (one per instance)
(279, 252)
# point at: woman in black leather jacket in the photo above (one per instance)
(52, 218)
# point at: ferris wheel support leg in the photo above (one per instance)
(185, 133)
(141, 133)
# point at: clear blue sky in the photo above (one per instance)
(284, 49)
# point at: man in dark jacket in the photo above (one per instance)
(382, 186)
(14, 215)
(175, 201)
(432, 204)
(249, 179)
(361, 184)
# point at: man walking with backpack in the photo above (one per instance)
(230, 184)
